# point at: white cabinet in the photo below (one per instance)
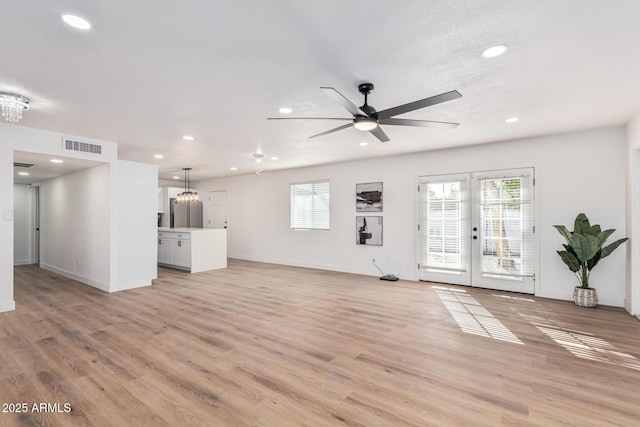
(164, 250)
(181, 253)
(194, 249)
(174, 249)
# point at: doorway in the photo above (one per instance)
(477, 229)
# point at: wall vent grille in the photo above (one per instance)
(22, 165)
(84, 147)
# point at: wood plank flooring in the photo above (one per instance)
(273, 346)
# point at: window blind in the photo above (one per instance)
(444, 219)
(507, 238)
(310, 205)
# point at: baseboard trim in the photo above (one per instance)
(7, 306)
(23, 262)
(69, 275)
(131, 285)
(373, 273)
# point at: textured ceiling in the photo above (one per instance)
(151, 71)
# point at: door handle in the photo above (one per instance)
(475, 228)
(179, 243)
(475, 237)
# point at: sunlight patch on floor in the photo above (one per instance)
(514, 298)
(583, 344)
(472, 317)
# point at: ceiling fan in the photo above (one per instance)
(366, 118)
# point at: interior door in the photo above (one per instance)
(477, 229)
(218, 209)
(503, 230)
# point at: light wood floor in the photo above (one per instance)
(273, 346)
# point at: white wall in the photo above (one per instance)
(137, 225)
(75, 225)
(576, 172)
(37, 141)
(632, 289)
(23, 225)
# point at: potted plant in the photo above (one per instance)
(583, 251)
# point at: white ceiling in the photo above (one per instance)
(151, 71)
(42, 168)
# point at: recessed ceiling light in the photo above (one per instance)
(493, 51)
(364, 143)
(512, 119)
(76, 22)
(55, 161)
(188, 138)
(233, 168)
(275, 158)
(159, 156)
(176, 177)
(23, 173)
(285, 110)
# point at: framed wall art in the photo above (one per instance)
(369, 230)
(369, 197)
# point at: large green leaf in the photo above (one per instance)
(564, 231)
(569, 249)
(595, 260)
(594, 230)
(571, 261)
(585, 246)
(605, 235)
(581, 225)
(606, 251)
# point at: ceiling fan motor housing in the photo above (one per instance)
(365, 88)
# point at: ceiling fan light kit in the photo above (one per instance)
(364, 123)
(367, 119)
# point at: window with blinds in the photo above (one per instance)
(310, 205)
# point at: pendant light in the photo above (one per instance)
(187, 195)
(12, 106)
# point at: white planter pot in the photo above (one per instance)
(585, 297)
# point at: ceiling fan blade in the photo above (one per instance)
(310, 118)
(379, 133)
(420, 123)
(340, 99)
(416, 105)
(332, 130)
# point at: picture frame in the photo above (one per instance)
(369, 197)
(369, 230)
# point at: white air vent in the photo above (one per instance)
(69, 144)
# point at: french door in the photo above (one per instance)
(477, 229)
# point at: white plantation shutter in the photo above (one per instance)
(444, 226)
(506, 222)
(310, 205)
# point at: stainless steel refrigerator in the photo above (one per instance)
(187, 214)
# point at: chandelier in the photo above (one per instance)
(12, 106)
(187, 195)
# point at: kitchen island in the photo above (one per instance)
(192, 249)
